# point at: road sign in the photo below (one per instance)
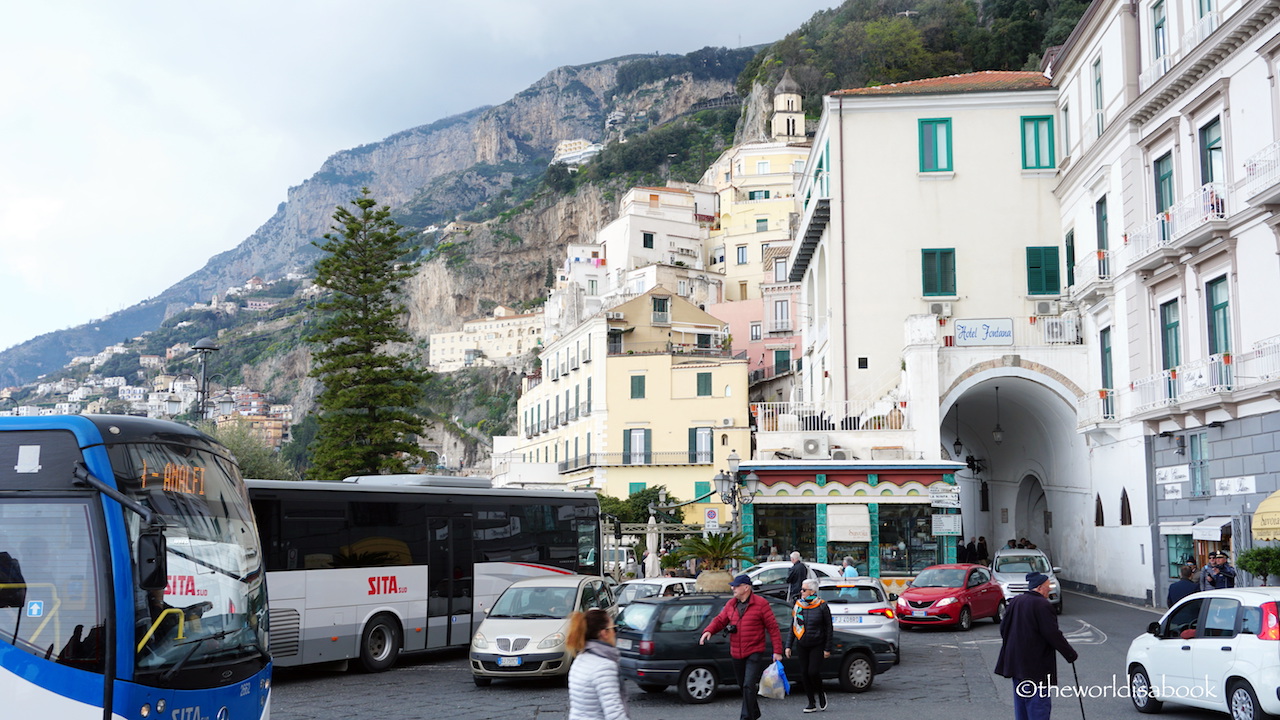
(711, 519)
(944, 496)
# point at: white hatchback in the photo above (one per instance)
(1218, 650)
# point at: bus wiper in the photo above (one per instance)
(195, 645)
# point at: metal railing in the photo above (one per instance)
(1188, 381)
(666, 347)
(1201, 31)
(1094, 269)
(635, 458)
(1261, 170)
(801, 416)
(1156, 70)
(1096, 407)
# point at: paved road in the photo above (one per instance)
(944, 675)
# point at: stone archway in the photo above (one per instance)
(1033, 519)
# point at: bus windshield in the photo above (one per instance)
(208, 625)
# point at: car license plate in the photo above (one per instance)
(848, 619)
(624, 644)
(919, 613)
(510, 661)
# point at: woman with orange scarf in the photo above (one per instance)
(810, 641)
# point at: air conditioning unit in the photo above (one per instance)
(726, 422)
(814, 447)
(839, 454)
(1048, 307)
(613, 316)
(941, 309)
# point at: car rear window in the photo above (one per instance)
(1022, 564)
(859, 594)
(630, 592)
(684, 617)
(636, 616)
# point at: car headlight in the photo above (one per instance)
(945, 601)
(902, 601)
(479, 642)
(551, 641)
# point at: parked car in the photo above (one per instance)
(1011, 565)
(955, 594)
(861, 605)
(632, 590)
(1217, 649)
(658, 644)
(523, 634)
(771, 577)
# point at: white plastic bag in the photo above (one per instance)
(773, 683)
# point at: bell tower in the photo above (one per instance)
(788, 115)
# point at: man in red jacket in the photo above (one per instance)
(750, 622)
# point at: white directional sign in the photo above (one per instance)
(944, 496)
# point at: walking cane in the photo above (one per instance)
(1079, 692)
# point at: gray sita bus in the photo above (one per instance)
(374, 566)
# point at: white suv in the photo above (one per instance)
(1218, 650)
(1011, 565)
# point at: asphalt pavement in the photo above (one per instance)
(944, 675)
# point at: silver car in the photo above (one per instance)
(861, 605)
(1011, 565)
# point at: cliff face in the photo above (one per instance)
(439, 170)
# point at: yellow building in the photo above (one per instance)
(641, 395)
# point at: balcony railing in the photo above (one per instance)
(1096, 268)
(780, 325)
(1156, 70)
(665, 348)
(1201, 31)
(1261, 171)
(771, 371)
(1180, 223)
(1184, 383)
(800, 416)
(1097, 407)
(635, 458)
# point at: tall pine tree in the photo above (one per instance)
(367, 419)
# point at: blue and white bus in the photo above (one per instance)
(365, 569)
(131, 582)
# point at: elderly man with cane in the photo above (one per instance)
(1031, 637)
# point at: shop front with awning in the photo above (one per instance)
(892, 517)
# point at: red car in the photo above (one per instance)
(951, 595)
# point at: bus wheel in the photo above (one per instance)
(380, 644)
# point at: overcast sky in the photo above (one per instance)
(138, 139)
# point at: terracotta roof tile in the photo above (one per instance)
(985, 81)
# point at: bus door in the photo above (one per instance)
(450, 574)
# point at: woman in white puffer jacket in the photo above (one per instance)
(595, 689)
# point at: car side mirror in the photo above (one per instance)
(1154, 628)
(153, 568)
(893, 597)
(1057, 570)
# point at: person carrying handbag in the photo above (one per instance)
(811, 640)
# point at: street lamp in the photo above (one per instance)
(203, 347)
(733, 488)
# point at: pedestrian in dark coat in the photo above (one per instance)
(1031, 637)
(1184, 587)
(811, 639)
(798, 573)
(751, 625)
(984, 556)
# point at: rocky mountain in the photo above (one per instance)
(431, 174)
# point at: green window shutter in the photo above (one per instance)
(1042, 271)
(701, 489)
(693, 445)
(1070, 244)
(704, 384)
(626, 447)
(938, 271)
(634, 488)
(648, 447)
(637, 387)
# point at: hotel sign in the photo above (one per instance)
(984, 332)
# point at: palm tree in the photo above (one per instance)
(714, 554)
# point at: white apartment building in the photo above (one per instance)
(935, 340)
(503, 339)
(1169, 185)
